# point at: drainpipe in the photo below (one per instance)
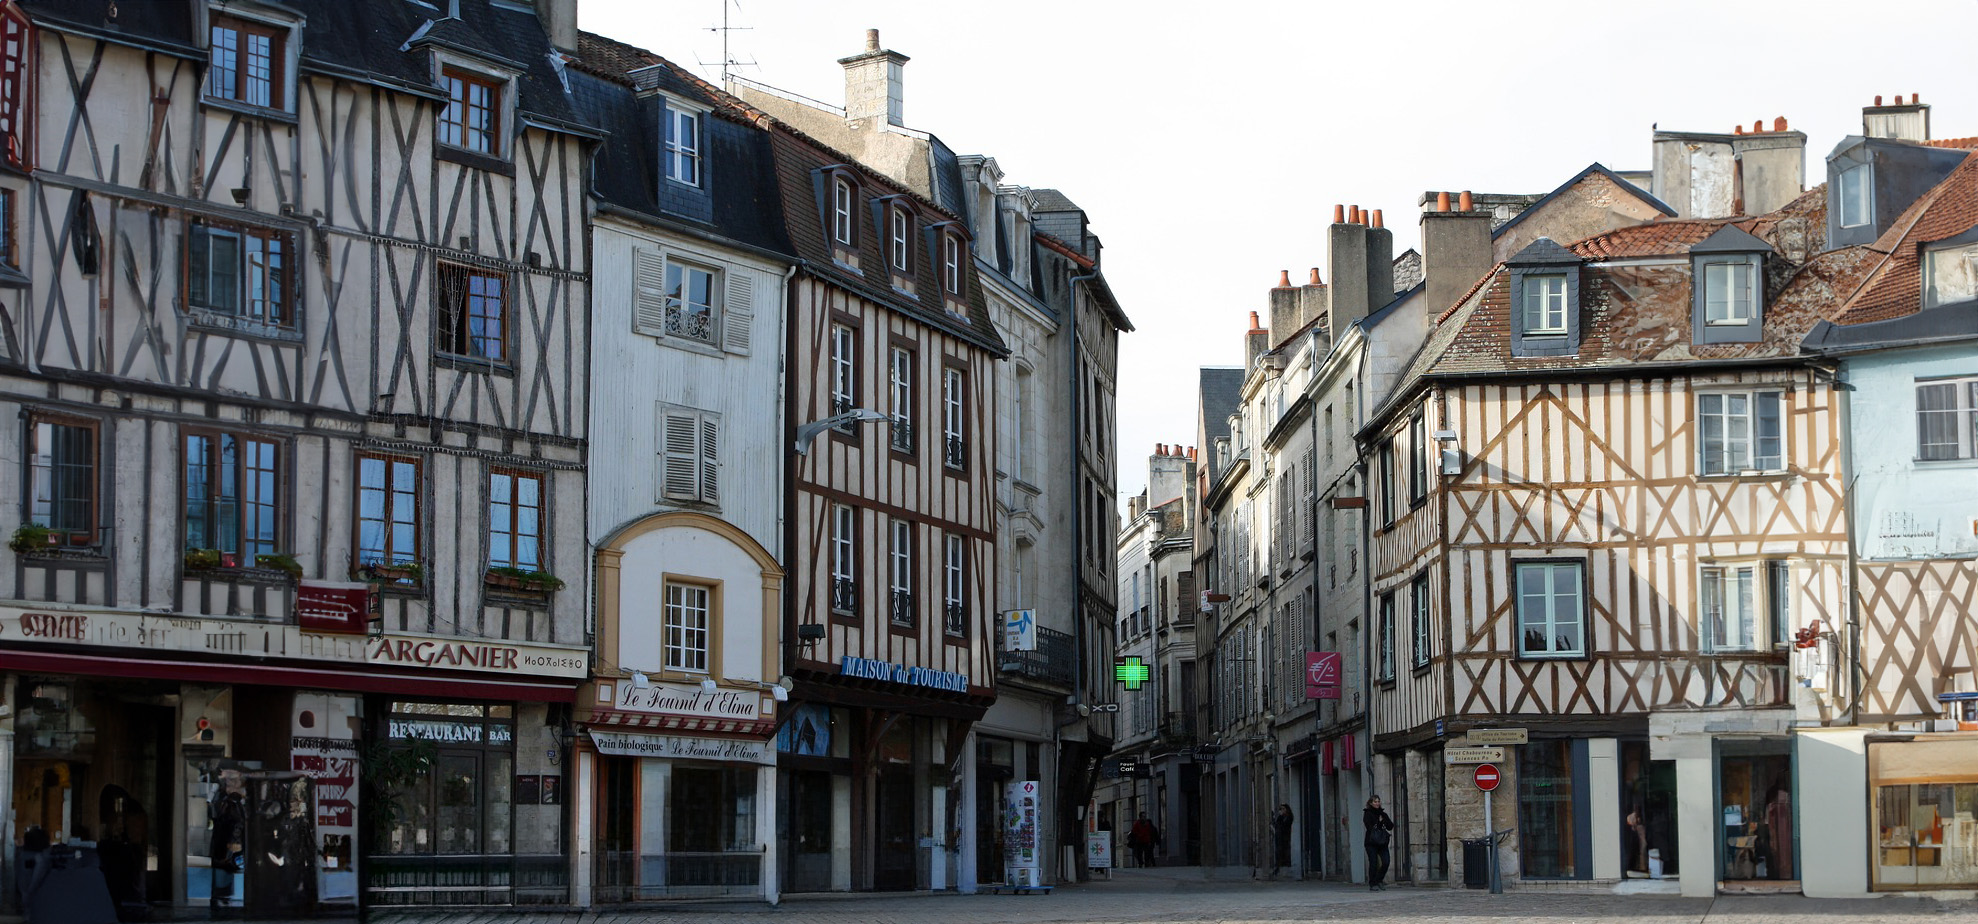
(1846, 391)
(1369, 627)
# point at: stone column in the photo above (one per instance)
(1833, 778)
(1604, 805)
(1697, 821)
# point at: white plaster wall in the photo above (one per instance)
(1907, 509)
(702, 556)
(1833, 812)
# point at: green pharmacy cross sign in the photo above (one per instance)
(1130, 672)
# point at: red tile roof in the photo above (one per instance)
(1894, 289)
(1966, 143)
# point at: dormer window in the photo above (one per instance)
(245, 63)
(841, 212)
(951, 264)
(1950, 271)
(472, 117)
(1545, 300)
(899, 236)
(1728, 287)
(683, 146)
(1852, 195)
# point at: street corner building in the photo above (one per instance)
(297, 604)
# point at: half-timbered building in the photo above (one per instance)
(675, 773)
(889, 532)
(1605, 495)
(294, 326)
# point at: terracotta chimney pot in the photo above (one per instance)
(1442, 201)
(1283, 282)
(1878, 99)
(1338, 214)
(1739, 130)
(1377, 222)
(1315, 277)
(1912, 99)
(1779, 124)
(1464, 203)
(1253, 321)
(872, 40)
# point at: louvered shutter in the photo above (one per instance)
(648, 292)
(679, 457)
(738, 313)
(710, 462)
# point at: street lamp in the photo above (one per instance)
(808, 432)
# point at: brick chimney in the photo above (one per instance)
(1902, 121)
(1167, 477)
(1455, 252)
(873, 85)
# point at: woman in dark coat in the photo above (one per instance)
(1380, 830)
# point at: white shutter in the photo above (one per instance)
(648, 292)
(738, 312)
(679, 457)
(710, 462)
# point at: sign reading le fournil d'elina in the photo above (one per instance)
(681, 699)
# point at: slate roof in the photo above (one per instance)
(740, 182)
(1895, 288)
(1219, 393)
(368, 41)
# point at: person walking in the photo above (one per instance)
(1380, 829)
(1281, 833)
(1143, 837)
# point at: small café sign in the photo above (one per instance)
(678, 747)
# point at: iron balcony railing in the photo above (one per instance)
(1050, 663)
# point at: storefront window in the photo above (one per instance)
(1756, 805)
(1546, 829)
(1648, 814)
(1926, 834)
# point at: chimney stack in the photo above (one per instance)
(1456, 252)
(873, 83)
(1360, 260)
(559, 21)
(1285, 315)
(1899, 120)
(1256, 341)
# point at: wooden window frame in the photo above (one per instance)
(899, 241)
(951, 264)
(703, 457)
(1423, 631)
(1769, 619)
(68, 536)
(243, 30)
(1384, 639)
(514, 531)
(844, 212)
(1752, 440)
(954, 585)
(1538, 288)
(9, 230)
(390, 553)
(283, 276)
(1863, 184)
(213, 481)
(1579, 565)
(459, 84)
(682, 156)
(954, 418)
(1418, 460)
(709, 629)
(1963, 413)
(453, 313)
(17, 63)
(901, 393)
(845, 366)
(843, 561)
(901, 561)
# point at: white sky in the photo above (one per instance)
(1208, 150)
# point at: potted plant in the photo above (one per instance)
(203, 559)
(407, 572)
(33, 537)
(280, 561)
(523, 579)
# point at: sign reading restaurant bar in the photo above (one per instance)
(675, 747)
(138, 632)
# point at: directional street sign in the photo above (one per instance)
(1486, 777)
(1473, 755)
(1499, 736)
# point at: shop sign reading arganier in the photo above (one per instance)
(492, 656)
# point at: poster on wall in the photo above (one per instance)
(323, 747)
(807, 732)
(1021, 868)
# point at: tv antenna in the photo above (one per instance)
(728, 61)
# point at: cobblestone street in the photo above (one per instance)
(1183, 896)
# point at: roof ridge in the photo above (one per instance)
(1451, 310)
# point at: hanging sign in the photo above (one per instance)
(1020, 630)
(1322, 675)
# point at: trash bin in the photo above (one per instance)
(1476, 862)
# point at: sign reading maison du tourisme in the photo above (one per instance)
(131, 633)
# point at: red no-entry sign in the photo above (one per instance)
(1486, 777)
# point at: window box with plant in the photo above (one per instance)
(505, 577)
(34, 538)
(270, 566)
(404, 572)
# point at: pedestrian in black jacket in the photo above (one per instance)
(1379, 831)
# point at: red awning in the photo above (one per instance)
(314, 678)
